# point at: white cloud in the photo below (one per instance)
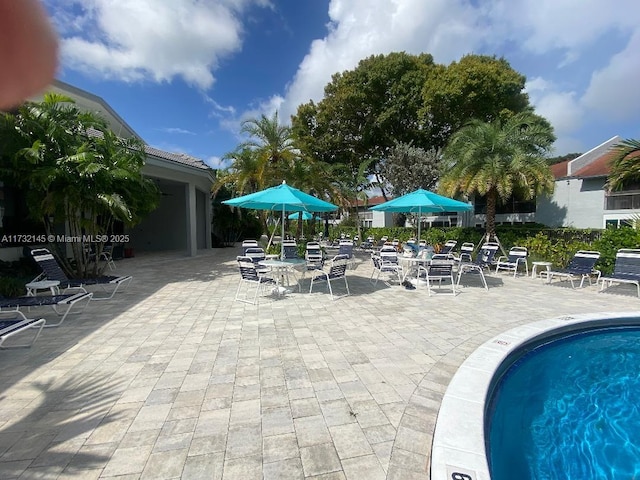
(178, 130)
(360, 28)
(145, 39)
(540, 26)
(217, 163)
(562, 109)
(613, 90)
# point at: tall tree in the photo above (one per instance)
(625, 165)
(499, 159)
(476, 87)
(272, 144)
(365, 111)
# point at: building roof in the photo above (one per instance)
(594, 163)
(180, 158)
(559, 169)
(600, 167)
(371, 201)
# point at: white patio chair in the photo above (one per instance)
(384, 267)
(248, 244)
(250, 276)
(440, 269)
(517, 256)
(337, 270)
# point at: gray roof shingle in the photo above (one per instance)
(156, 152)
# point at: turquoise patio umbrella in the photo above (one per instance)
(422, 201)
(305, 216)
(282, 198)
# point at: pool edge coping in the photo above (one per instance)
(458, 441)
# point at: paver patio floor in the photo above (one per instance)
(173, 379)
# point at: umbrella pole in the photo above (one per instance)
(282, 237)
(419, 223)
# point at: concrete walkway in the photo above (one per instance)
(173, 379)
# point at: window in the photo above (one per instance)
(512, 205)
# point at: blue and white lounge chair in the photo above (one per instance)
(61, 304)
(51, 270)
(580, 266)
(625, 270)
(13, 323)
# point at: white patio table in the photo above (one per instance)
(282, 269)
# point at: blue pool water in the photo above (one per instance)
(569, 409)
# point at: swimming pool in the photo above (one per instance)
(569, 408)
(461, 438)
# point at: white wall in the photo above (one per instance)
(576, 202)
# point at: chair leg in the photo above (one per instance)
(484, 280)
(238, 290)
(330, 289)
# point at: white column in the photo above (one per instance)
(190, 204)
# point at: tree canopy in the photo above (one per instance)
(477, 87)
(365, 111)
(404, 98)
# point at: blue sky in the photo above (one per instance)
(184, 74)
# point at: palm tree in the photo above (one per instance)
(499, 159)
(272, 145)
(625, 165)
(73, 178)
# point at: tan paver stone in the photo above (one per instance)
(164, 465)
(244, 441)
(305, 407)
(366, 466)
(204, 467)
(319, 459)
(280, 447)
(289, 469)
(350, 441)
(245, 468)
(215, 442)
(311, 431)
(277, 421)
(337, 412)
(127, 460)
